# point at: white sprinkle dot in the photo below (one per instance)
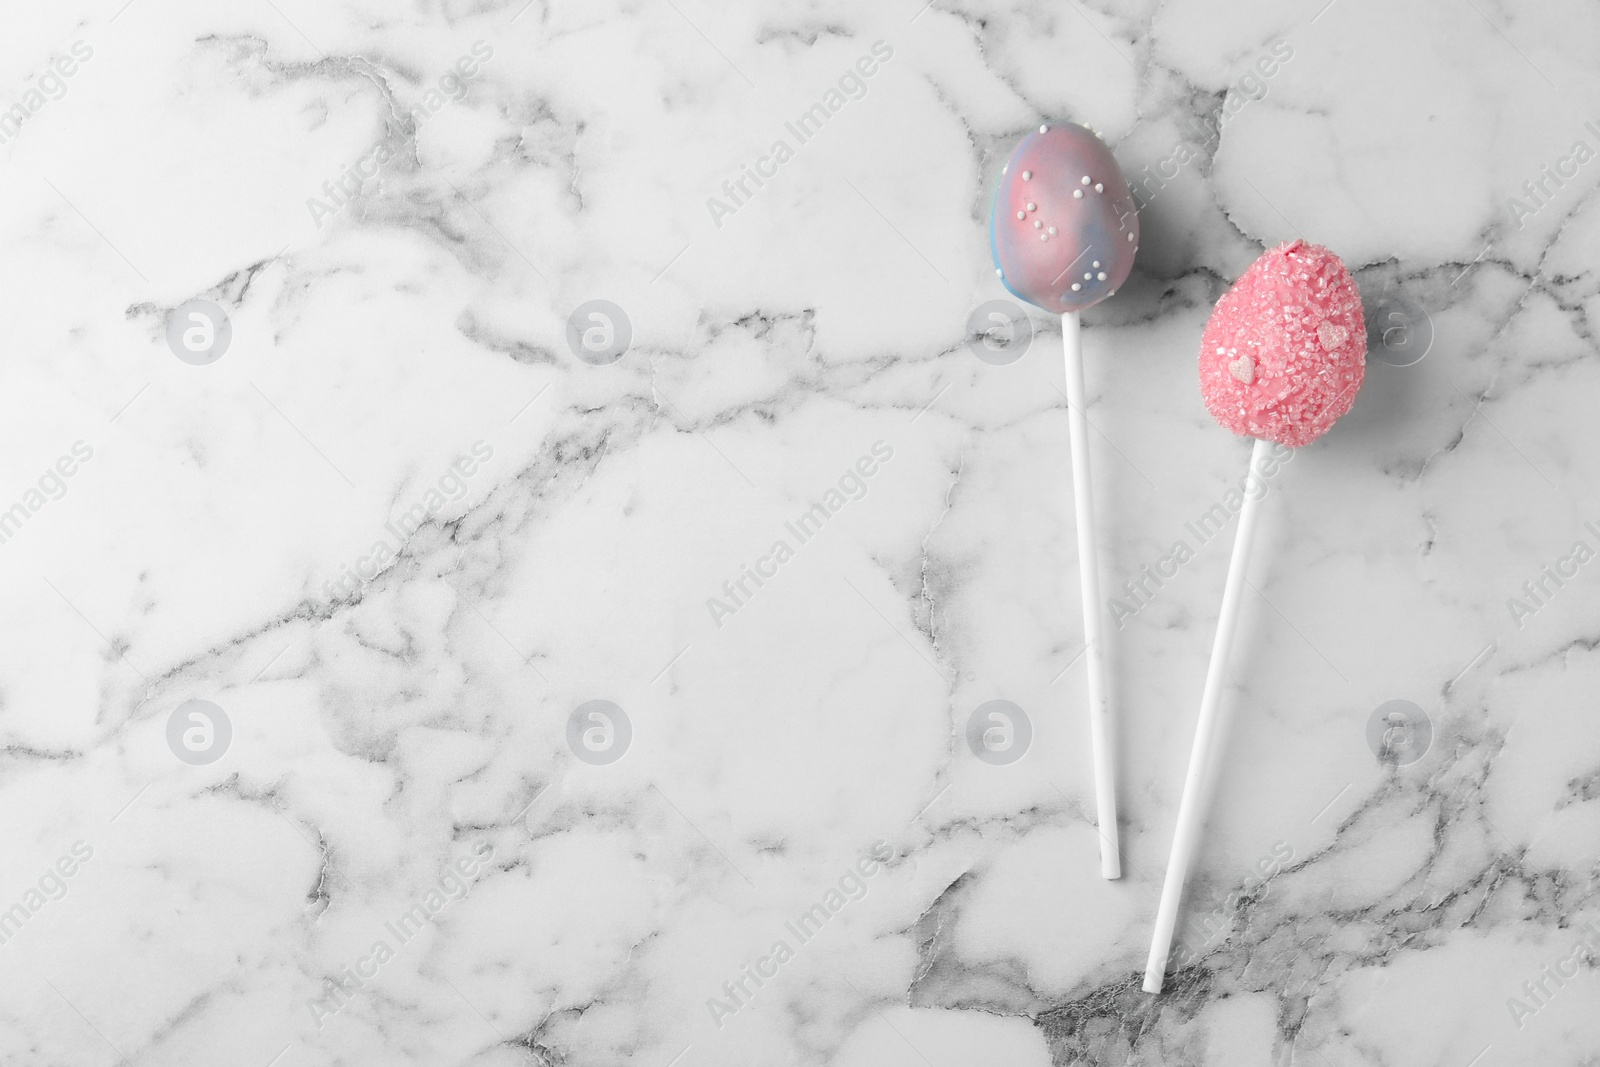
(1130, 236)
(1077, 194)
(1101, 275)
(1022, 214)
(1032, 206)
(1085, 179)
(1042, 129)
(1037, 224)
(998, 273)
(1044, 237)
(1099, 188)
(1052, 231)
(1076, 287)
(1096, 263)
(1086, 277)
(1027, 175)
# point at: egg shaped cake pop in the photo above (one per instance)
(1285, 350)
(1064, 227)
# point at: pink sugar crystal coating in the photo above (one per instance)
(1286, 347)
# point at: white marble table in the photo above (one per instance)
(396, 534)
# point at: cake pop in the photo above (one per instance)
(1064, 231)
(1280, 361)
(1064, 227)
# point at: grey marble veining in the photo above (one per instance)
(592, 683)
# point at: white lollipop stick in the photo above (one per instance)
(1100, 734)
(1192, 808)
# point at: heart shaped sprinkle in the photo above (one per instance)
(1332, 335)
(1244, 369)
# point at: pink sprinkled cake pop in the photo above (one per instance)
(1280, 361)
(1064, 227)
(1285, 350)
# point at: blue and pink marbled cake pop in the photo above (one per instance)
(1064, 228)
